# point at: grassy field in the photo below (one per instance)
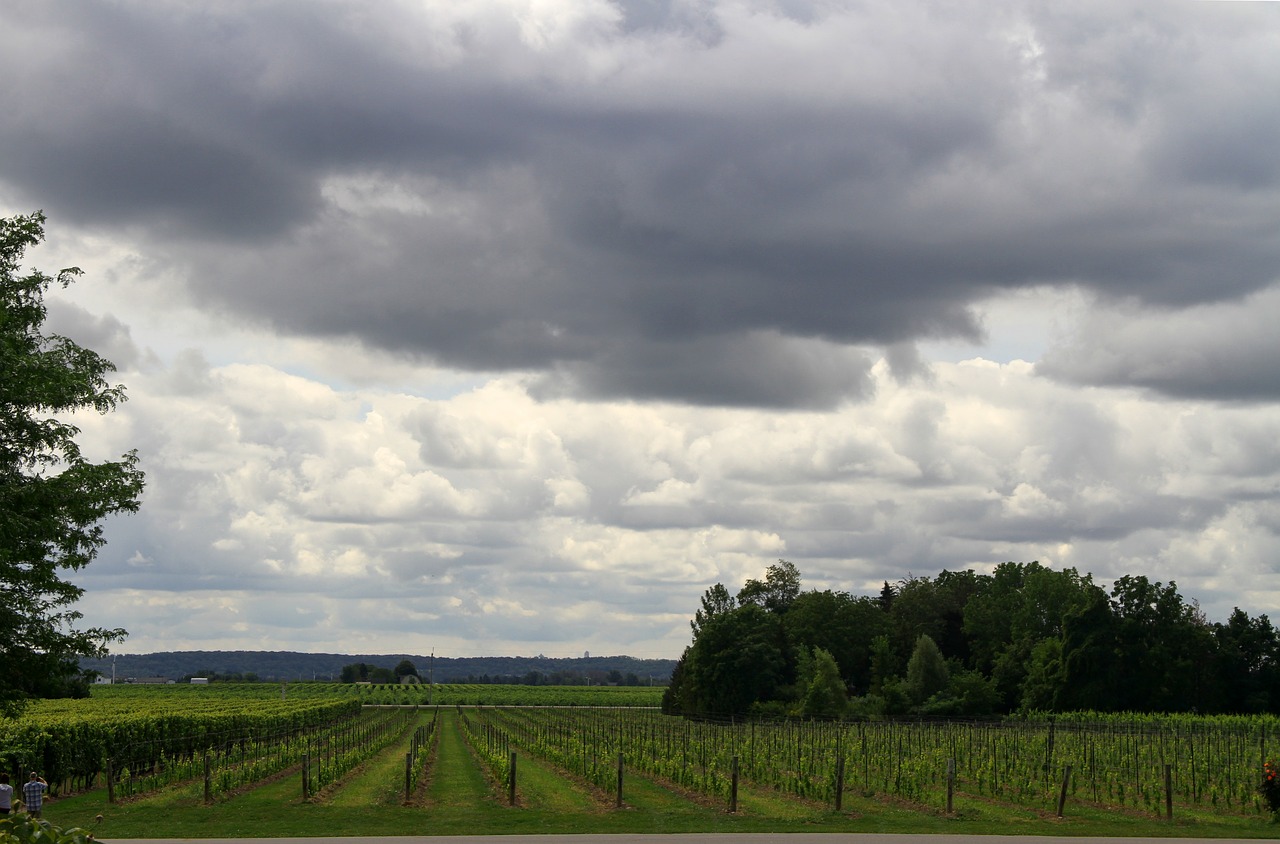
(457, 795)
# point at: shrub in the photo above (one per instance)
(1270, 786)
(21, 828)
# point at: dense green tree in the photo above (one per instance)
(1024, 637)
(1020, 606)
(822, 688)
(988, 616)
(738, 660)
(363, 672)
(1044, 677)
(677, 697)
(781, 586)
(927, 672)
(52, 499)
(1164, 646)
(887, 596)
(378, 674)
(1091, 668)
(840, 624)
(1246, 670)
(403, 669)
(884, 665)
(967, 693)
(935, 608)
(973, 694)
(715, 600)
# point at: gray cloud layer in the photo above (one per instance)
(700, 201)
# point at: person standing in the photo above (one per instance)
(6, 795)
(33, 794)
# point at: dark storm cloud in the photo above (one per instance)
(106, 335)
(732, 371)
(1224, 352)
(694, 201)
(143, 170)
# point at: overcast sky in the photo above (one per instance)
(510, 326)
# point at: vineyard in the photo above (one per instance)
(1132, 762)
(483, 694)
(177, 751)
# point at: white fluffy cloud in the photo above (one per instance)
(492, 522)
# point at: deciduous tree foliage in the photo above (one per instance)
(1023, 638)
(781, 586)
(821, 687)
(363, 672)
(52, 499)
(842, 625)
(927, 672)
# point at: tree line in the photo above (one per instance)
(559, 678)
(363, 672)
(1023, 638)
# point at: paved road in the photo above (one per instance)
(694, 838)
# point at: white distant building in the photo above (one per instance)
(199, 681)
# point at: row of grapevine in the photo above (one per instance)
(332, 755)
(568, 749)
(490, 743)
(1213, 763)
(221, 771)
(325, 754)
(420, 749)
(587, 742)
(155, 738)
(74, 745)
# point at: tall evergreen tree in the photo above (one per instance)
(927, 672)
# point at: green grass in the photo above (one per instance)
(457, 798)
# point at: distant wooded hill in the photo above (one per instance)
(292, 665)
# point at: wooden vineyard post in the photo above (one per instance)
(511, 781)
(951, 783)
(618, 802)
(839, 782)
(306, 775)
(733, 785)
(208, 779)
(111, 784)
(1062, 794)
(408, 774)
(1168, 792)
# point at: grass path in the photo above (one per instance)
(457, 782)
(379, 781)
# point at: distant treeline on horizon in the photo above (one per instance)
(279, 666)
